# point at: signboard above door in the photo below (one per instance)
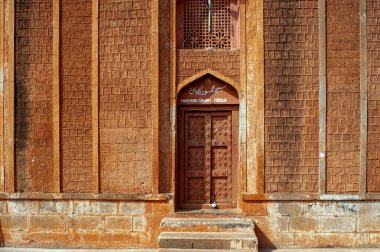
(208, 91)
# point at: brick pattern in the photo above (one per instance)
(190, 62)
(291, 37)
(343, 96)
(76, 131)
(373, 66)
(125, 121)
(33, 108)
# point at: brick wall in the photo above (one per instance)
(343, 96)
(373, 63)
(33, 95)
(125, 96)
(291, 37)
(190, 62)
(75, 85)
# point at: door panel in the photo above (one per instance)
(221, 161)
(194, 158)
(206, 159)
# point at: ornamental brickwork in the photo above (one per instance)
(190, 62)
(373, 38)
(343, 96)
(33, 93)
(291, 96)
(125, 53)
(76, 128)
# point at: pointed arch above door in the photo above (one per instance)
(208, 88)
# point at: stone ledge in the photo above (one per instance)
(208, 224)
(85, 196)
(309, 197)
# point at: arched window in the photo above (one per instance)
(205, 24)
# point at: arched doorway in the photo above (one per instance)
(207, 144)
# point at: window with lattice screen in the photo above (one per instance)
(203, 27)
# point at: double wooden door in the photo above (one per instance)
(207, 159)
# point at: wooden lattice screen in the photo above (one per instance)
(196, 33)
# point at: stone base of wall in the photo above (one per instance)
(121, 224)
(81, 224)
(318, 224)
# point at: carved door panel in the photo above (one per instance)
(221, 157)
(195, 163)
(206, 159)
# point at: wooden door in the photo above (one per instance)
(207, 148)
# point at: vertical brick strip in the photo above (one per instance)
(76, 96)
(9, 112)
(322, 96)
(1, 95)
(243, 104)
(164, 101)
(34, 96)
(363, 97)
(260, 136)
(373, 64)
(56, 99)
(95, 95)
(291, 38)
(155, 96)
(255, 95)
(251, 83)
(173, 90)
(343, 96)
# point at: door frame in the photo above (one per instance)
(234, 109)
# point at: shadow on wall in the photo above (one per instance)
(164, 92)
(21, 97)
(32, 108)
(264, 240)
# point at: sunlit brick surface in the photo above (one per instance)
(226, 62)
(291, 36)
(373, 61)
(343, 96)
(125, 103)
(76, 129)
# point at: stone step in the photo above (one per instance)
(208, 240)
(208, 224)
